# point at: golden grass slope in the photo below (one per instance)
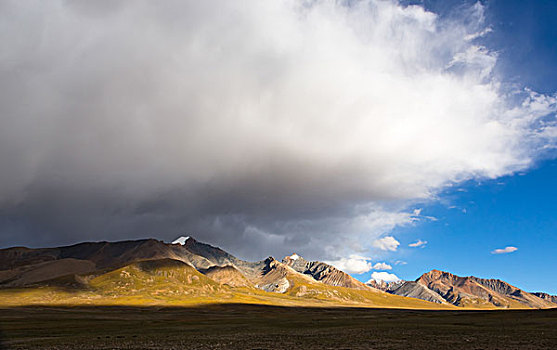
(227, 275)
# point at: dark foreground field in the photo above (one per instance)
(267, 327)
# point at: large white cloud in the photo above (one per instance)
(383, 276)
(286, 124)
(354, 264)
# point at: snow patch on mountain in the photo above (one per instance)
(181, 240)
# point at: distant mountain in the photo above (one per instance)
(444, 287)
(478, 292)
(187, 271)
(23, 266)
(384, 286)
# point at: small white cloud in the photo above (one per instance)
(386, 243)
(417, 215)
(382, 266)
(354, 264)
(418, 243)
(476, 35)
(505, 250)
(400, 262)
(383, 276)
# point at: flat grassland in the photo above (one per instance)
(240, 326)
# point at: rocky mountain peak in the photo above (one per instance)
(293, 259)
(294, 256)
(270, 260)
(435, 275)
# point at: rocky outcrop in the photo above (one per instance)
(277, 277)
(546, 297)
(323, 272)
(414, 289)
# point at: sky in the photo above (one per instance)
(387, 138)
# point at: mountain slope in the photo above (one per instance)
(19, 265)
(546, 297)
(478, 292)
(323, 272)
(152, 272)
(101, 254)
(227, 275)
(203, 256)
(163, 275)
(173, 282)
(44, 271)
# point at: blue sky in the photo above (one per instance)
(519, 210)
(477, 218)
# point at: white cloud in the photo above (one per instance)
(150, 111)
(382, 266)
(386, 243)
(355, 264)
(383, 276)
(418, 243)
(505, 250)
(400, 262)
(474, 36)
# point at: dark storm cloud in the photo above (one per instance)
(260, 126)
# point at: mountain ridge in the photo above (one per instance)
(469, 291)
(187, 270)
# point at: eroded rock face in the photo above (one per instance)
(446, 288)
(479, 292)
(278, 277)
(414, 289)
(546, 296)
(279, 286)
(296, 262)
(323, 272)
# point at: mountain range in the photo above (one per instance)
(152, 272)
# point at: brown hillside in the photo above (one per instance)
(478, 292)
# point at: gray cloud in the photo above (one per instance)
(261, 126)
